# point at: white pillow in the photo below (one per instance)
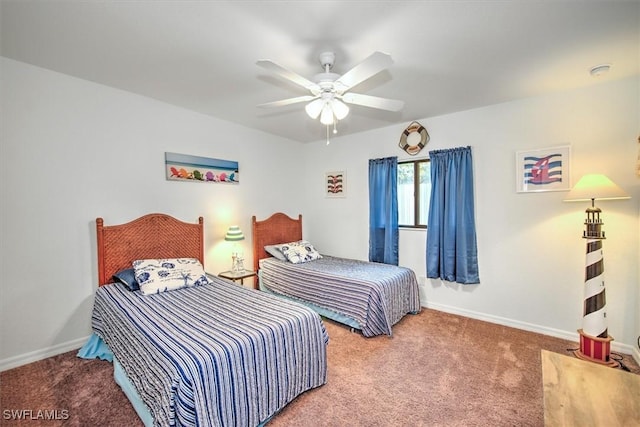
(161, 275)
(299, 252)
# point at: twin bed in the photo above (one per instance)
(211, 353)
(370, 297)
(208, 354)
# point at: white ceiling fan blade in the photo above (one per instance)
(287, 101)
(373, 101)
(371, 66)
(289, 75)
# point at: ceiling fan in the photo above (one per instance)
(330, 92)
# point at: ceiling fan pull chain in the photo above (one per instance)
(328, 135)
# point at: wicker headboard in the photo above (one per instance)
(150, 236)
(278, 228)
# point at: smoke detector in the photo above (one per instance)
(599, 70)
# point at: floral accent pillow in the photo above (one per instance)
(161, 275)
(299, 252)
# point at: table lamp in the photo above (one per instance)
(234, 234)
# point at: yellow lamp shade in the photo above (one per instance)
(595, 187)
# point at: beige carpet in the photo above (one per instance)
(437, 370)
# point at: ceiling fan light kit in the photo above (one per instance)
(330, 91)
(326, 117)
(314, 108)
(327, 108)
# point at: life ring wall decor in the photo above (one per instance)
(405, 139)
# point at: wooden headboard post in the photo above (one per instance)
(148, 237)
(278, 228)
(100, 240)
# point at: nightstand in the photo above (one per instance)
(237, 275)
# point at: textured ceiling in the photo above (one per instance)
(449, 56)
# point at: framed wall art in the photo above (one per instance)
(184, 167)
(546, 169)
(335, 184)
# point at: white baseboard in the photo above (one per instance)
(34, 356)
(636, 355)
(571, 336)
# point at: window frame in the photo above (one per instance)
(416, 194)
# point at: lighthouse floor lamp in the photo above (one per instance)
(595, 341)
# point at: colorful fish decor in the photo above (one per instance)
(336, 184)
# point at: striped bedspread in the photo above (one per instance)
(212, 355)
(375, 295)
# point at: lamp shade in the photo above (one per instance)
(328, 108)
(234, 234)
(595, 187)
(340, 109)
(326, 118)
(314, 108)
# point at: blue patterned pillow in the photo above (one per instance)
(299, 252)
(162, 275)
(128, 278)
(275, 251)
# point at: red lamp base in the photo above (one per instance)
(595, 349)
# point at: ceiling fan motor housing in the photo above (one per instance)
(327, 59)
(325, 80)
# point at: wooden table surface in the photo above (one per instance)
(582, 393)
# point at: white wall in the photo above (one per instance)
(72, 151)
(531, 254)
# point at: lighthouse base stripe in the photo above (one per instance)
(595, 324)
(593, 245)
(593, 286)
(595, 303)
(594, 270)
(593, 257)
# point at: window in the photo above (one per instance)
(414, 190)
